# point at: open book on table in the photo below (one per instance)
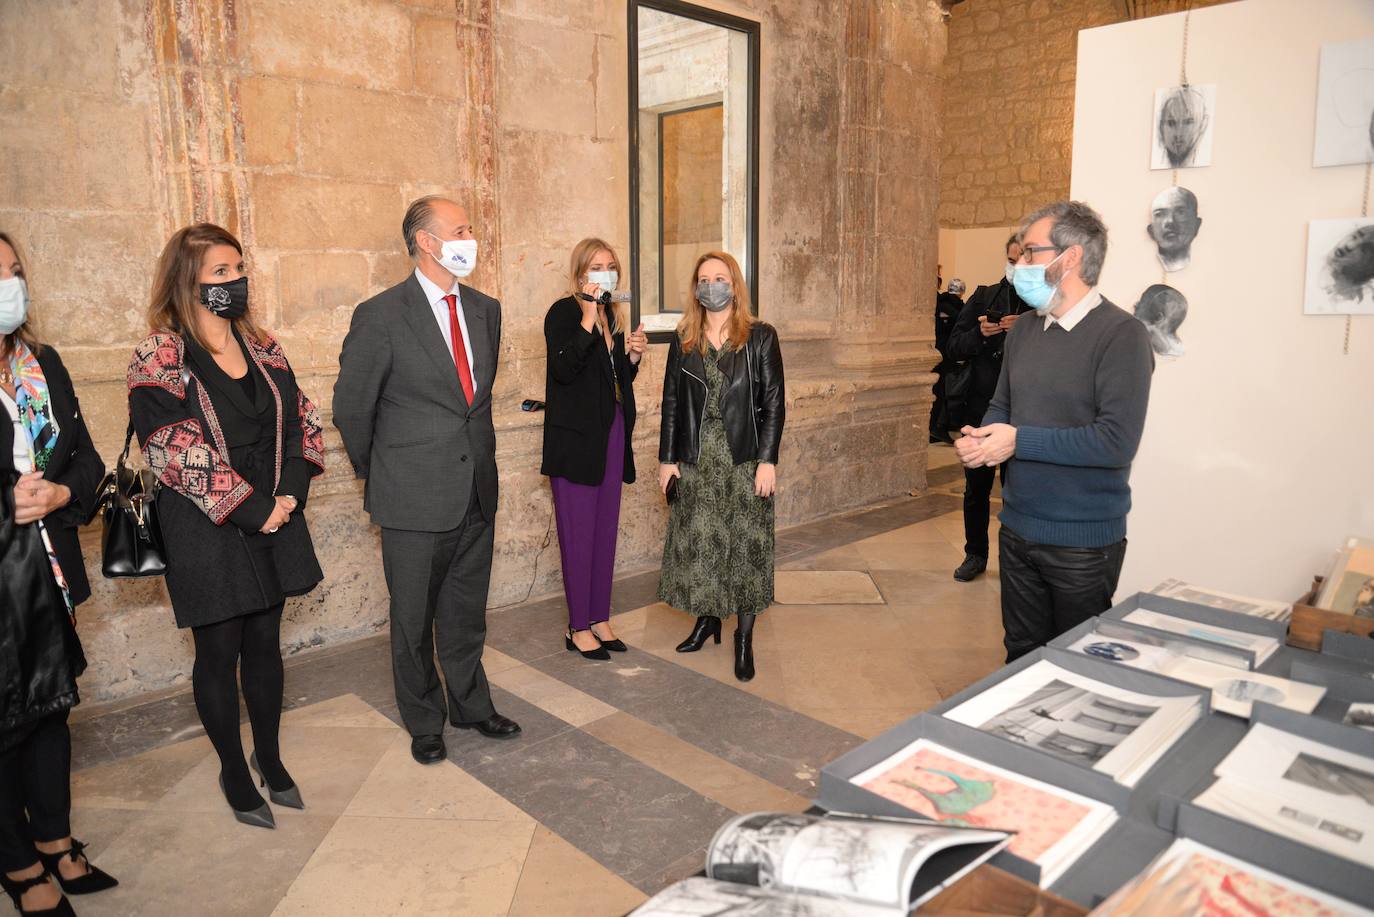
(836, 864)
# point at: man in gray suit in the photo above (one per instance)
(413, 403)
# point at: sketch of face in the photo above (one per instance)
(1173, 226)
(1351, 265)
(1364, 600)
(1182, 121)
(1162, 310)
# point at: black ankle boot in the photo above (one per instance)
(706, 626)
(744, 648)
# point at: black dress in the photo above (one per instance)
(223, 454)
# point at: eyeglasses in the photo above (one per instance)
(1028, 251)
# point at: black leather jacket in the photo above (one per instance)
(752, 405)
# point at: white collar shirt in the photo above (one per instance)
(1091, 300)
(435, 296)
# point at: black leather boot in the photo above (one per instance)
(744, 648)
(706, 626)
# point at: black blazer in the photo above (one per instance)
(580, 398)
(753, 404)
(74, 463)
(966, 342)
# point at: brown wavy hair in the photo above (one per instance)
(582, 254)
(691, 330)
(175, 302)
(27, 332)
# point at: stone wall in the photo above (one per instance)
(1008, 102)
(306, 125)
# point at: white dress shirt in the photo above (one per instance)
(1091, 300)
(23, 455)
(435, 295)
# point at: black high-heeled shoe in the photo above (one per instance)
(95, 879)
(261, 817)
(15, 888)
(744, 656)
(289, 797)
(706, 626)
(599, 653)
(615, 645)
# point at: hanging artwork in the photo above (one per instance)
(1173, 226)
(1340, 267)
(1161, 310)
(1345, 104)
(1183, 125)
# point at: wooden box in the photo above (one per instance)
(1308, 622)
(988, 890)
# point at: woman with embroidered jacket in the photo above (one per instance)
(49, 478)
(235, 443)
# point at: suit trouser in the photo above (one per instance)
(35, 789)
(438, 583)
(978, 506)
(1050, 589)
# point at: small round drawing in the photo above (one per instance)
(1243, 689)
(1116, 652)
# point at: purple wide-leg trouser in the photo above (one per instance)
(588, 520)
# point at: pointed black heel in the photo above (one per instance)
(706, 626)
(15, 888)
(261, 817)
(744, 656)
(599, 653)
(615, 645)
(289, 797)
(95, 879)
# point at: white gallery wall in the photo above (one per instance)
(1258, 455)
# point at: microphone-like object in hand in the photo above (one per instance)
(606, 298)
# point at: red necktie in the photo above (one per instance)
(460, 353)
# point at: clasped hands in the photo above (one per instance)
(35, 497)
(988, 446)
(281, 514)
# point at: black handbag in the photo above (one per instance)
(131, 544)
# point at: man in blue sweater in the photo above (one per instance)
(1067, 418)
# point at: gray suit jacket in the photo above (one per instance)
(408, 429)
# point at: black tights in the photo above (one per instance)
(253, 642)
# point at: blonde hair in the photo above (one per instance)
(583, 254)
(175, 303)
(691, 330)
(27, 332)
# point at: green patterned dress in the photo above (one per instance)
(718, 557)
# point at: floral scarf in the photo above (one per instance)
(41, 429)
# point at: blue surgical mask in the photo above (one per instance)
(14, 304)
(1029, 280)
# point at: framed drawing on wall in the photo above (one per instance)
(1340, 267)
(1345, 104)
(1184, 118)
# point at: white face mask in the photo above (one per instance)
(459, 256)
(14, 304)
(604, 279)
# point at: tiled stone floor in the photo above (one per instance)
(624, 771)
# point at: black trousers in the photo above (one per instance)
(35, 790)
(438, 583)
(978, 506)
(1049, 589)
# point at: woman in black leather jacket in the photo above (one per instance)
(50, 477)
(723, 411)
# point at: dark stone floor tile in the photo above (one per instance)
(624, 814)
(470, 750)
(651, 883)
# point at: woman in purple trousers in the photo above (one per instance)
(589, 418)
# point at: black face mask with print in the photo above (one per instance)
(227, 300)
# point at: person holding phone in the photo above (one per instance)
(723, 411)
(589, 418)
(977, 340)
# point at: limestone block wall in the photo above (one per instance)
(1008, 102)
(306, 125)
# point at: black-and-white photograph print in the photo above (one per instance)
(1332, 777)
(1340, 267)
(1162, 309)
(1173, 226)
(751, 850)
(701, 897)
(1247, 691)
(1183, 124)
(1069, 722)
(1111, 649)
(1345, 104)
